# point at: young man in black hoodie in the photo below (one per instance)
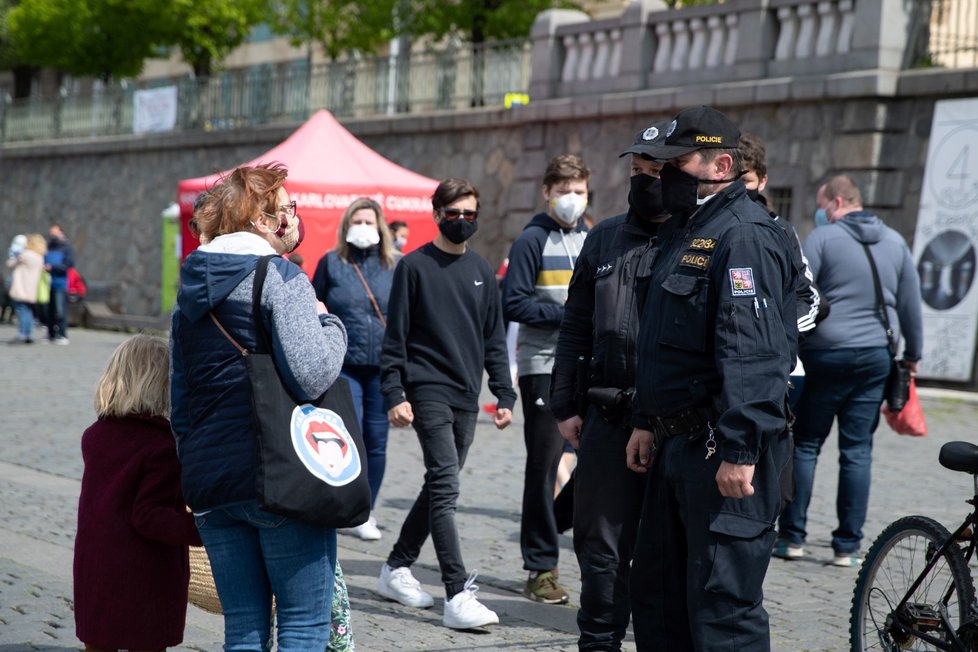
(540, 266)
(444, 326)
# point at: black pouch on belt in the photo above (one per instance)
(610, 401)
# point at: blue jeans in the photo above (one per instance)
(848, 384)
(255, 554)
(58, 314)
(25, 320)
(372, 413)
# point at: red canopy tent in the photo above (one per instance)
(328, 169)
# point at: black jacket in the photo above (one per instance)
(600, 320)
(719, 325)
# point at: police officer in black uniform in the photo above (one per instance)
(595, 358)
(717, 342)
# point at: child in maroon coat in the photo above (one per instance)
(131, 566)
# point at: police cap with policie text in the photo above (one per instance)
(647, 139)
(700, 127)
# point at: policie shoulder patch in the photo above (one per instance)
(696, 261)
(741, 281)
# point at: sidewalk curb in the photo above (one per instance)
(935, 393)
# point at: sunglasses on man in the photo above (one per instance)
(455, 213)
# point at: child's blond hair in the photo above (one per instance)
(137, 380)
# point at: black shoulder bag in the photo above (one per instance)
(311, 457)
(897, 390)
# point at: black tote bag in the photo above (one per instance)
(312, 463)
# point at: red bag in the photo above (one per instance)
(76, 284)
(909, 420)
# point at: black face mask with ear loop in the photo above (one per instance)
(645, 196)
(680, 190)
(458, 230)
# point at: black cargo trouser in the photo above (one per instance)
(607, 506)
(700, 559)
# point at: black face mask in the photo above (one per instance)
(645, 196)
(679, 191)
(458, 230)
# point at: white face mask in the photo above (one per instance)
(400, 243)
(362, 236)
(568, 208)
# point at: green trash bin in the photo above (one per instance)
(170, 273)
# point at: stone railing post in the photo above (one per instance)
(637, 43)
(880, 34)
(545, 55)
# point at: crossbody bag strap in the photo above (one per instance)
(243, 351)
(380, 315)
(880, 305)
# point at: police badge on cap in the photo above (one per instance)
(700, 127)
(646, 139)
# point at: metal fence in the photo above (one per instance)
(458, 77)
(952, 33)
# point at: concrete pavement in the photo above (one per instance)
(46, 402)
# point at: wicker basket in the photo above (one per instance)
(203, 593)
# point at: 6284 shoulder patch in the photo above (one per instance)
(741, 281)
(696, 261)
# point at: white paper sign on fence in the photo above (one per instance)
(154, 109)
(945, 242)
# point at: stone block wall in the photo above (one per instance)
(108, 194)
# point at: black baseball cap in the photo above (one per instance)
(700, 127)
(646, 139)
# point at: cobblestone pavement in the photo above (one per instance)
(46, 402)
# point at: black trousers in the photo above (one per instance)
(445, 433)
(544, 446)
(607, 506)
(700, 559)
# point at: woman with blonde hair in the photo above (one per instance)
(27, 266)
(131, 569)
(248, 216)
(354, 280)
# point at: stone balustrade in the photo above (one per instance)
(651, 46)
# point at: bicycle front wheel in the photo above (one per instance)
(893, 563)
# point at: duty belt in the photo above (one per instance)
(690, 420)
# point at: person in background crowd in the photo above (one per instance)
(445, 327)
(26, 267)
(254, 554)
(131, 566)
(541, 262)
(811, 307)
(717, 340)
(847, 360)
(400, 232)
(596, 351)
(59, 258)
(354, 281)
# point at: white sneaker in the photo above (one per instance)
(367, 531)
(399, 584)
(464, 611)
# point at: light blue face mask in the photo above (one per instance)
(820, 218)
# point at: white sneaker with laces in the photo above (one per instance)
(399, 584)
(464, 611)
(365, 531)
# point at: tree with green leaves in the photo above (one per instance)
(480, 20)
(338, 26)
(23, 73)
(207, 31)
(97, 38)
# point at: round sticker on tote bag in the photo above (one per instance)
(324, 445)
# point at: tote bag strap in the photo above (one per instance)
(263, 340)
(880, 305)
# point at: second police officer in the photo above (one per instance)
(717, 342)
(595, 360)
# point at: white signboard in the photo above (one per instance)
(154, 109)
(945, 241)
